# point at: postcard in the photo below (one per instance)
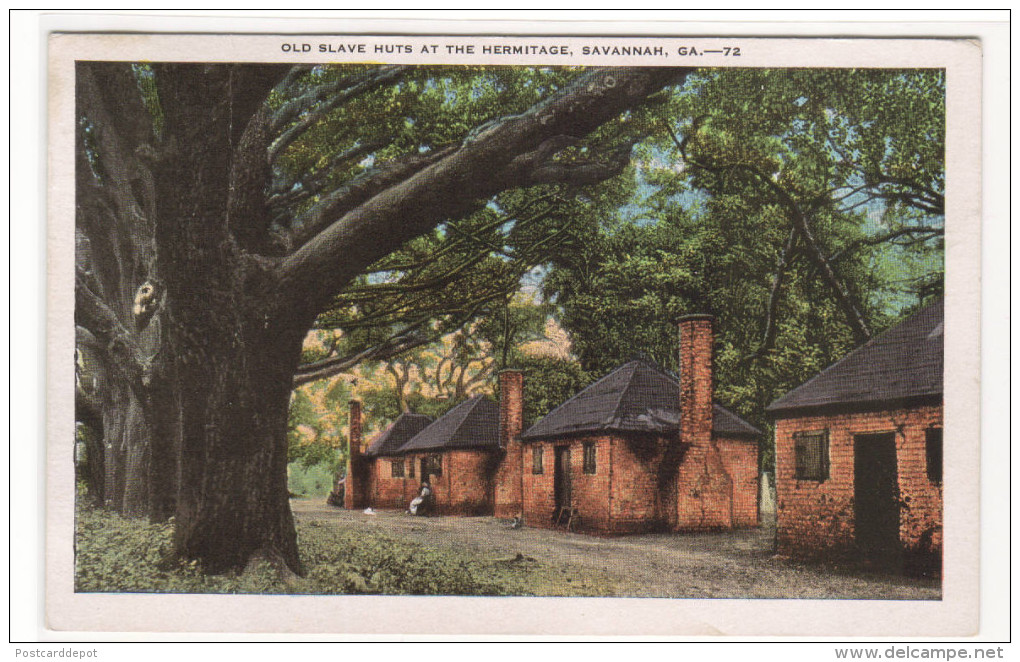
(502, 334)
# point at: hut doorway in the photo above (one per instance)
(876, 500)
(561, 478)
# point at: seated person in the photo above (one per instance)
(422, 504)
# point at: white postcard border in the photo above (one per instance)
(957, 613)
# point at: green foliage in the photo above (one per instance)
(861, 152)
(118, 554)
(312, 480)
(548, 383)
(315, 429)
(858, 153)
(383, 408)
(698, 223)
(122, 554)
(342, 562)
(511, 323)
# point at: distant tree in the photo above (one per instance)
(317, 424)
(843, 168)
(548, 383)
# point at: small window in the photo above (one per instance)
(933, 454)
(397, 468)
(433, 466)
(410, 467)
(811, 455)
(537, 466)
(589, 458)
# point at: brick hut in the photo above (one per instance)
(639, 450)
(859, 451)
(459, 453)
(392, 482)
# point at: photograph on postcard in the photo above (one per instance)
(567, 317)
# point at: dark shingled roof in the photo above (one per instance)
(636, 397)
(725, 422)
(902, 364)
(389, 441)
(473, 423)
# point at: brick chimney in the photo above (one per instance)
(704, 488)
(507, 491)
(354, 490)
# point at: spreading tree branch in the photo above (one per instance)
(455, 182)
(395, 345)
(358, 191)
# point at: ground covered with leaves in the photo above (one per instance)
(119, 554)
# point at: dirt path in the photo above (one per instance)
(735, 564)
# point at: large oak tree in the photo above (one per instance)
(205, 255)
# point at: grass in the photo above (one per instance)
(119, 554)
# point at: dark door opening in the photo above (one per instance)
(877, 500)
(561, 477)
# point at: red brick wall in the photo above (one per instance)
(704, 491)
(389, 492)
(590, 493)
(631, 489)
(507, 489)
(740, 457)
(644, 478)
(538, 496)
(815, 517)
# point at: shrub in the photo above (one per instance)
(314, 480)
(344, 562)
(119, 554)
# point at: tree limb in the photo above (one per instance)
(364, 84)
(882, 238)
(452, 184)
(358, 191)
(116, 341)
(393, 346)
(769, 334)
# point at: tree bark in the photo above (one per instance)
(227, 359)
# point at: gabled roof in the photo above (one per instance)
(902, 364)
(725, 422)
(636, 397)
(473, 423)
(389, 441)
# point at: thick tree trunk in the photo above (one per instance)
(227, 358)
(232, 398)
